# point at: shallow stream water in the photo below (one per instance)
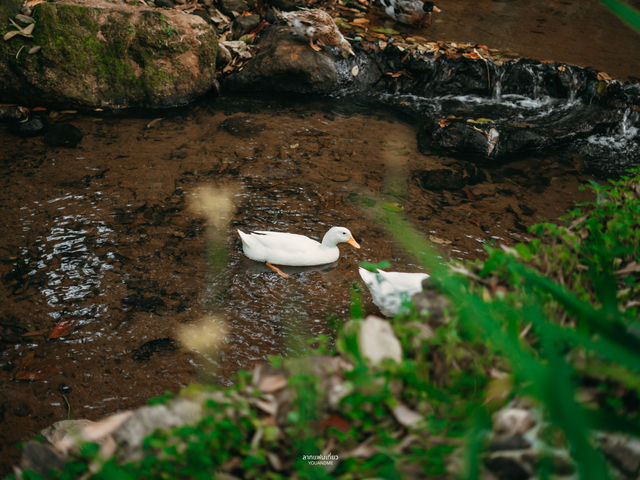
(109, 244)
(113, 244)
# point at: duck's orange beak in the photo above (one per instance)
(353, 243)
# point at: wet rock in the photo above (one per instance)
(286, 63)
(503, 138)
(62, 135)
(224, 56)
(432, 302)
(507, 468)
(623, 451)
(288, 5)
(242, 126)
(422, 332)
(41, 458)
(143, 422)
(236, 7)
(243, 25)
(513, 421)
(515, 442)
(144, 352)
(13, 113)
(454, 178)
(116, 55)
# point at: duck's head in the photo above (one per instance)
(345, 48)
(337, 235)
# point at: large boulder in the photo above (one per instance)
(100, 54)
(286, 63)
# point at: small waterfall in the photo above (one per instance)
(497, 86)
(627, 131)
(627, 128)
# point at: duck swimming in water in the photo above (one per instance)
(410, 12)
(389, 290)
(318, 26)
(291, 249)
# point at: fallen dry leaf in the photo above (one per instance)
(98, 432)
(405, 416)
(604, 77)
(267, 406)
(439, 241)
(633, 267)
(33, 369)
(272, 383)
(363, 450)
(473, 55)
(275, 461)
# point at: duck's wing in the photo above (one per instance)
(383, 293)
(408, 283)
(292, 242)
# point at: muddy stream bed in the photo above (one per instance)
(105, 242)
(109, 244)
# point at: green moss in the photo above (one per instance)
(96, 62)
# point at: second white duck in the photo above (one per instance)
(291, 249)
(389, 290)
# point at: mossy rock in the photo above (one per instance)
(105, 55)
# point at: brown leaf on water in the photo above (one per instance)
(33, 369)
(439, 241)
(46, 371)
(272, 383)
(62, 329)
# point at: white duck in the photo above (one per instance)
(390, 290)
(291, 249)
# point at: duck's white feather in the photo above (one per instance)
(291, 249)
(389, 290)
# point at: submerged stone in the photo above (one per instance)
(99, 54)
(63, 135)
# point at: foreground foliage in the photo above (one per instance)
(554, 320)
